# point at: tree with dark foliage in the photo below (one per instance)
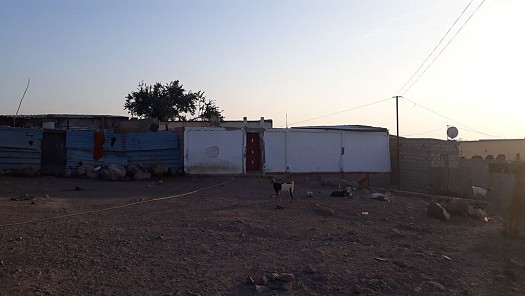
(171, 102)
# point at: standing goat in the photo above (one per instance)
(480, 192)
(279, 187)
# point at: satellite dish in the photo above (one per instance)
(452, 132)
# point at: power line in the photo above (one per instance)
(451, 120)
(433, 50)
(347, 110)
(428, 132)
(443, 49)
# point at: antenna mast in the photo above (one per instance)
(20, 104)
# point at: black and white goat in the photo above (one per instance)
(280, 187)
(340, 192)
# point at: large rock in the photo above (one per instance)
(142, 176)
(261, 281)
(435, 210)
(263, 290)
(466, 207)
(458, 207)
(477, 213)
(114, 173)
(176, 172)
(93, 174)
(159, 169)
(67, 173)
(26, 171)
(286, 277)
(83, 170)
(133, 169)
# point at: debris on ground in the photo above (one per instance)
(436, 210)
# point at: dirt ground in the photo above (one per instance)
(209, 242)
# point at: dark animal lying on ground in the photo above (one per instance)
(341, 193)
(279, 187)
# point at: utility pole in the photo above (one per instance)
(397, 143)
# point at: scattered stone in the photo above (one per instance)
(397, 231)
(262, 289)
(160, 182)
(279, 207)
(326, 211)
(363, 291)
(287, 286)
(274, 276)
(309, 270)
(2, 172)
(261, 281)
(83, 170)
(26, 171)
(142, 175)
(23, 197)
(446, 257)
(93, 175)
(358, 290)
(436, 285)
(400, 263)
(114, 173)
(437, 211)
(477, 213)
(133, 169)
(159, 169)
(380, 259)
(286, 277)
(176, 172)
(250, 281)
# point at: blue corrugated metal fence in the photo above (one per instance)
(144, 148)
(20, 147)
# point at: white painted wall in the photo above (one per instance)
(314, 151)
(274, 147)
(213, 151)
(366, 152)
(308, 150)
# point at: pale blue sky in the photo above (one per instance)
(303, 58)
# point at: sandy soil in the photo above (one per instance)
(113, 238)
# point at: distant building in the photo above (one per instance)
(512, 149)
(250, 124)
(63, 121)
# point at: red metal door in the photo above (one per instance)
(253, 152)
